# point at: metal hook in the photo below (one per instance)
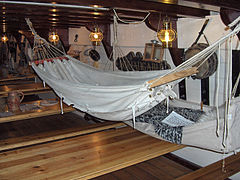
(76, 38)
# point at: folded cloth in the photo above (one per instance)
(28, 107)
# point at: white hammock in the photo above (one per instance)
(116, 96)
(106, 95)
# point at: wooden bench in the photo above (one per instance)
(14, 78)
(27, 89)
(82, 157)
(43, 111)
(11, 79)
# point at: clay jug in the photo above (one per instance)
(14, 100)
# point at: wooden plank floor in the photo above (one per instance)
(159, 168)
(81, 157)
(34, 126)
(17, 134)
(98, 151)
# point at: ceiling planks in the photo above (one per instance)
(228, 4)
(13, 16)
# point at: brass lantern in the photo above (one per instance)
(167, 34)
(53, 37)
(96, 37)
(4, 38)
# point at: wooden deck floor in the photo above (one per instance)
(62, 159)
(16, 129)
(109, 153)
(160, 168)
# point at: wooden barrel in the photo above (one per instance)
(208, 67)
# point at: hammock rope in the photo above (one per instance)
(131, 22)
(41, 48)
(217, 92)
(117, 52)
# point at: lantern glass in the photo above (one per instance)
(148, 51)
(157, 52)
(96, 37)
(167, 34)
(4, 39)
(53, 37)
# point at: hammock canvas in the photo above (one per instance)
(106, 95)
(123, 96)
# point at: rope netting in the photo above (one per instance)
(43, 50)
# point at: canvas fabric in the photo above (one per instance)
(116, 96)
(202, 133)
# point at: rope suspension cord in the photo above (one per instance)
(228, 93)
(115, 40)
(231, 92)
(123, 61)
(131, 22)
(42, 49)
(217, 91)
(54, 5)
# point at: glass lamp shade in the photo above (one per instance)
(96, 37)
(53, 37)
(166, 35)
(4, 38)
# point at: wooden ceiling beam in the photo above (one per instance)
(228, 4)
(131, 5)
(38, 27)
(63, 13)
(63, 16)
(45, 11)
(142, 5)
(28, 8)
(128, 10)
(43, 22)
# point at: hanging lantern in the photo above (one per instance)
(4, 38)
(53, 37)
(96, 37)
(167, 35)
